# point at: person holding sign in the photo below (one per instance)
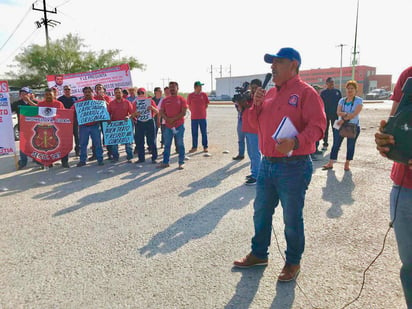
(286, 168)
(145, 125)
(173, 111)
(120, 109)
(198, 103)
(91, 129)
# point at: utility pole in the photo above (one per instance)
(220, 71)
(211, 78)
(45, 21)
(340, 74)
(354, 47)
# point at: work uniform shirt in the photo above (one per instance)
(401, 173)
(119, 110)
(172, 106)
(197, 103)
(299, 102)
(247, 126)
(54, 103)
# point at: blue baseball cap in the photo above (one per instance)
(25, 89)
(285, 52)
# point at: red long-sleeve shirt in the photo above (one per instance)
(304, 107)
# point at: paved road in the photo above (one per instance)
(133, 236)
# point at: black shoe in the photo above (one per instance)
(80, 164)
(21, 167)
(140, 161)
(100, 163)
(92, 158)
(65, 165)
(318, 152)
(238, 157)
(250, 182)
(248, 177)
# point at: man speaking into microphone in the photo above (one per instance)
(290, 118)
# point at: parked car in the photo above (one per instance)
(378, 94)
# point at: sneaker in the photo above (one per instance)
(250, 182)
(192, 150)
(205, 149)
(250, 261)
(92, 158)
(181, 166)
(80, 164)
(248, 176)
(238, 157)
(100, 163)
(289, 272)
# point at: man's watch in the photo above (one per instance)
(296, 146)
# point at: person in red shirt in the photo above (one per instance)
(198, 103)
(120, 109)
(401, 194)
(50, 101)
(173, 110)
(286, 168)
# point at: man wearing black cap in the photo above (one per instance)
(330, 97)
(286, 168)
(25, 100)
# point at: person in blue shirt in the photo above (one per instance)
(330, 97)
(348, 110)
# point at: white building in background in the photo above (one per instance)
(225, 86)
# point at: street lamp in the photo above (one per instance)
(340, 74)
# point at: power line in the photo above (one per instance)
(17, 27)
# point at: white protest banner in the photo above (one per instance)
(7, 144)
(142, 106)
(91, 111)
(118, 132)
(110, 78)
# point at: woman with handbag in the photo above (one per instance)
(348, 122)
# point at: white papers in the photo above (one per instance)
(286, 129)
(336, 124)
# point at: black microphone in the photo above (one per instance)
(267, 79)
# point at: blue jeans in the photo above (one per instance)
(286, 182)
(401, 210)
(114, 150)
(94, 132)
(196, 123)
(148, 129)
(240, 138)
(253, 153)
(337, 142)
(168, 137)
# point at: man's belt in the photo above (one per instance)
(286, 159)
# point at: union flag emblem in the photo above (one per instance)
(45, 138)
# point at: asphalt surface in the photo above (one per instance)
(133, 236)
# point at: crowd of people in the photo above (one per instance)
(167, 113)
(280, 167)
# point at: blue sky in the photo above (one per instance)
(181, 39)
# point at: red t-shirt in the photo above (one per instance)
(172, 106)
(119, 110)
(401, 173)
(54, 103)
(197, 103)
(102, 98)
(299, 102)
(246, 126)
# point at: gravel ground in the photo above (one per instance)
(132, 236)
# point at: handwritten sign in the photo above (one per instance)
(91, 111)
(142, 106)
(118, 132)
